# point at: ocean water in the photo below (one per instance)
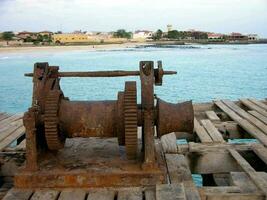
(205, 73)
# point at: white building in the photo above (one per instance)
(169, 27)
(142, 34)
(253, 37)
(215, 36)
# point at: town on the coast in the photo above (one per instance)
(169, 36)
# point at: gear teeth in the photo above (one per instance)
(53, 139)
(130, 119)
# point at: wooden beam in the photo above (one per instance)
(247, 116)
(258, 180)
(168, 143)
(201, 132)
(235, 196)
(251, 129)
(9, 139)
(4, 116)
(199, 147)
(45, 195)
(10, 119)
(18, 194)
(212, 131)
(104, 194)
(9, 131)
(242, 181)
(150, 194)
(253, 106)
(170, 191)
(179, 171)
(130, 194)
(260, 151)
(70, 194)
(220, 189)
(259, 103)
(241, 161)
(212, 116)
(258, 115)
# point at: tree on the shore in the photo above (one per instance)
(157, 35)
(7, 36)
(174, 34)
(122, 33)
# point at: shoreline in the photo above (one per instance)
(104, 47)
(30, 49)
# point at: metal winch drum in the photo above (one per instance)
(57, 118)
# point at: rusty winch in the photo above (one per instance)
(53, 117)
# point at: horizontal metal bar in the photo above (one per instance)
(101, 73)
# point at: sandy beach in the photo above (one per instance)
(67, 48)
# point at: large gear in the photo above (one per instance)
(54, 140)
(130, 119)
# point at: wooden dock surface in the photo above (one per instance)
(230, 169)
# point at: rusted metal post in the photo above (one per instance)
(147, 98)
(31, 142)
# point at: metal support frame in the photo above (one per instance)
(147, 98)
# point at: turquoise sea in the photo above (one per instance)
(205, 73)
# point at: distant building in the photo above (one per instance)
(25, 34)
(215, 36)
(253, 37)
(69, 38)
(43, 33)
(142, 34)
(169, 27)
(237, 37)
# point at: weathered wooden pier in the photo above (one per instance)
(230, 169)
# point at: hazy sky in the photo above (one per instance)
(246, 16)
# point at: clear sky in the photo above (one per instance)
(246, 16)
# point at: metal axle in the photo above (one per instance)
(115, 73)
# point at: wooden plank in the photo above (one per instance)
(18, 194)
(150, 194)
(221, 189)
(178, 171)
(251, 129)
(9, 139)
(242, 181)
(170, 191)
(212, 116)
(17, 123)
(258, 115)
(71, 194)
(199, 147)
(259, 103)
(235, 196)
(168, 143)
(258, 180)
(241, 161)
(45, 195)
(212, 131)
(10, 119)
(201, 132)
(10, 130)
(4, 116)
(177, 168)
(191, 192)
(260, 151)
(101, 194)
(130, 194)
(247, 116)
(253, 106)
